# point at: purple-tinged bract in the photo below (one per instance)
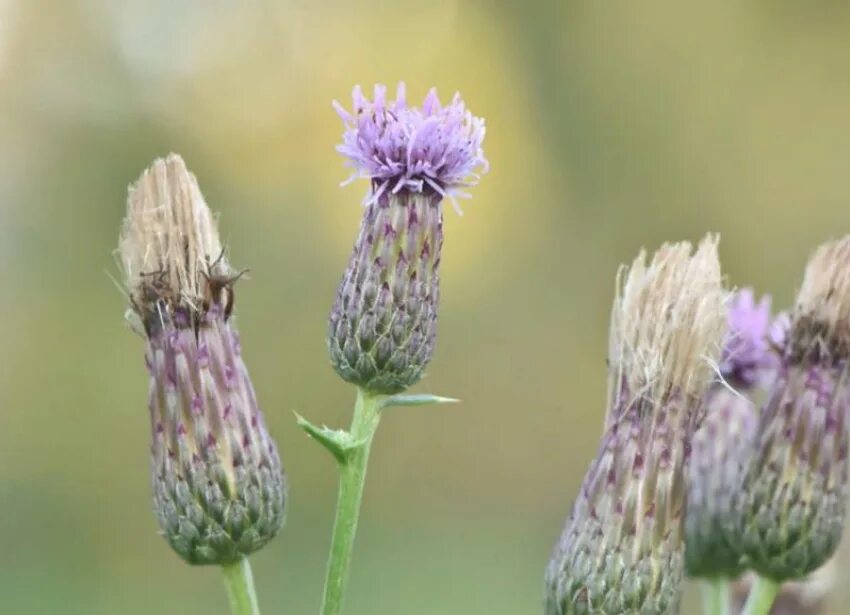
(418, 149)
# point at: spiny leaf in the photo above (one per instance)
(338, 442)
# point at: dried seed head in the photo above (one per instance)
(169, 244)
(667, 318)
(821, 319)
(795, 486)
(219, 491)
(622, 550)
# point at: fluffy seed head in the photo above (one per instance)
(821, 319)
(399, 147)
(169, 245)
(668, 317)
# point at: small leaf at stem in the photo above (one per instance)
(338, 442)
(417, 400)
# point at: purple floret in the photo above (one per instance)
(399, 147)
(748, 352)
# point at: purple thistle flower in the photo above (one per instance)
(747, 352)
(383, 323)
(219, 489)
(432, 148)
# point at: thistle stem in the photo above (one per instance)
(715, 596)
(239, 582)
(352, 478)
(761, 596)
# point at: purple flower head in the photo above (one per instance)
(747, 351)
(400, 147)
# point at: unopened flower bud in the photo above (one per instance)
(218, 486)
(794, 496)
(724, 439)
(383, 323)
(622, 549)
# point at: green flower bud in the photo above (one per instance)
(720, 447)
(622, 549)
(219, 490)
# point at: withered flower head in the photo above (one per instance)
(622, 549)
(218, 486)
(794, 495)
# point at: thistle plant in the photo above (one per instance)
(219, 490)
(794, 495)
(622, 548)
(721, 445)
(382, 325)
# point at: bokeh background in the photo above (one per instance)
(611, 126)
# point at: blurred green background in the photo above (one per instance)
(611, 126)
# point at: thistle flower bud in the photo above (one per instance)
(724, 439)
(218, 486)
(793, 500)
(383, 323)
(622, 548)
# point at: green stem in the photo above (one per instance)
(761, 596)
(240, 588)
(716, 596)
(352, 478)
